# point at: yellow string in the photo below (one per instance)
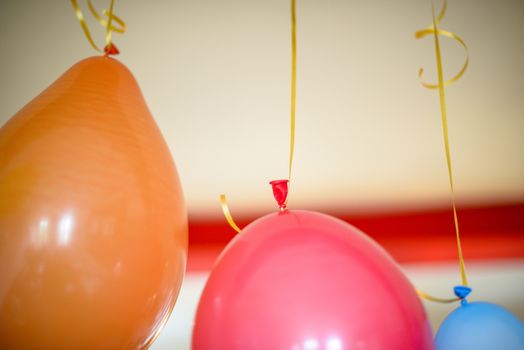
(107, 24)
(446, 141)
(103, 22)
(83, 24)
(441, 84)
(421, 34)
(433, 30)
(435, 299)
(293, 85)
(227, 213)
(223, 200)
(108, 27)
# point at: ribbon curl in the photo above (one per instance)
(227, 213)
(103, 22)
(435, 31)
(109, 48)
(223, 200)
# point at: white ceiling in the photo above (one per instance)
(216, 75)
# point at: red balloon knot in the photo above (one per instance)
(111, 49)
(280, 190)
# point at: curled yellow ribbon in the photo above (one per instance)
(227, 213)
(223, 201)
(110, 28)
(433, 30)
(441, 84)
(422, 33)
(103, 22)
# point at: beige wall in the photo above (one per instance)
(216, 77)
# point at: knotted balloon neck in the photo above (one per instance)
(111, 49)
(280, 190)
(462, 292)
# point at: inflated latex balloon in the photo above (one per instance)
(480, 326)
(301, 280)
(93, 225)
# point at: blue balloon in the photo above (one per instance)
(480, 326)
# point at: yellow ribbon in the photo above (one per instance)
(441, 84)
(107, 24)
(293, 86)
(223, 200)
(433, 30)
(103, 22)
(435, 299)
(227, 213)
(421, 34)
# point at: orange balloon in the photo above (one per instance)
(93, 225)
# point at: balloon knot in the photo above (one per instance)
(111, 49)
(462, 292)
(280, 189)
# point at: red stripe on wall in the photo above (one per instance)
(489, 232)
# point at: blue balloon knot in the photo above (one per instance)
(462, 292)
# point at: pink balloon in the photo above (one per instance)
(302, 280)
